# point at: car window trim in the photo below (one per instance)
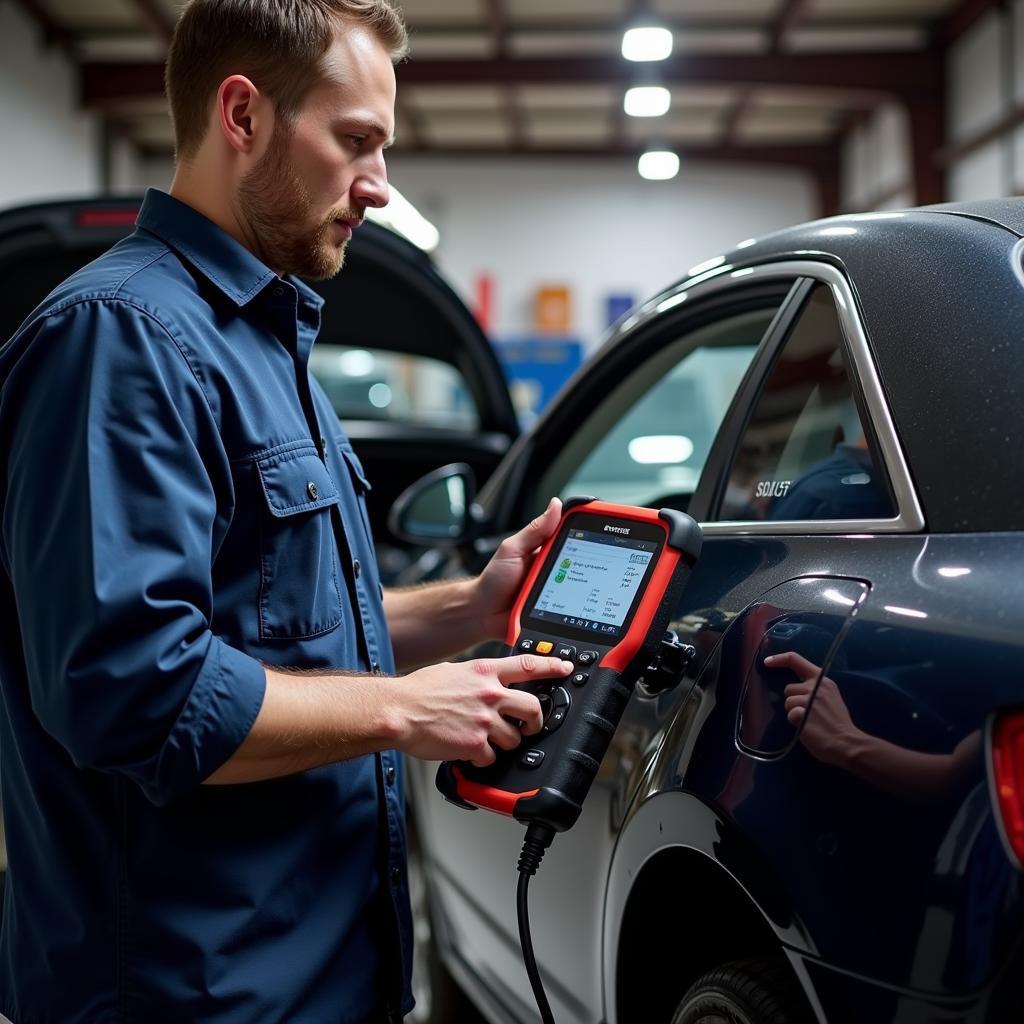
(910, 516)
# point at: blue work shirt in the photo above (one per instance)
(180, 505)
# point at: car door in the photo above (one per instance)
(408, 370)
(636, 426)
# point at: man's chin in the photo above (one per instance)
(324, 264)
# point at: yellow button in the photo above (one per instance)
(545, 647)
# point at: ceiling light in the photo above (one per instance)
(647, 44)
(658, 165)
(647, 101)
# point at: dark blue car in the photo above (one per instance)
(819, 818)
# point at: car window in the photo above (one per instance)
(805, 453)
(373, 384)
(646, 442)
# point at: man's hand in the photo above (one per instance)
(461, 711)
(498, 585)
(829, 732)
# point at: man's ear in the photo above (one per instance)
(241, 113)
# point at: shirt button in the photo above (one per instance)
(279, 292)
(311, 490)
(390, 775)
(396, 874)
(375, 668)
(357, 568)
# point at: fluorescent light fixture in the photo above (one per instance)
(951, 571)
(647, 43)
(356, 363)
(402, 217)
(660, 448)
(647, 101)
(658, 165)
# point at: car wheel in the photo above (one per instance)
(761, 991)
(438, 999)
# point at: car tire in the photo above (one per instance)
(438, 999)
(759, 991)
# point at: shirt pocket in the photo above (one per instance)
(361, 486)
(299, 592)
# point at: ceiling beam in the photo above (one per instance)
(962, 19)
(787, 17)
(154, 15)
(790, 14)
(901, 74)
(54, 33)
(499, 46)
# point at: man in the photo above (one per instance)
(199, 721)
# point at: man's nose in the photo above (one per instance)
(371, 188)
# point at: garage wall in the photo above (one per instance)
(50, 148)
(985, 86)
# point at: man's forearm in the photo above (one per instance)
(311, 719)
(434, 621)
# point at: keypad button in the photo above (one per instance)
(566, 653)
(586, 658)
(580, 678)
(532, 758)
(560, 698)
(526, 645)
(545, 647)
(555, 719)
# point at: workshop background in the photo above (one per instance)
(513, 142)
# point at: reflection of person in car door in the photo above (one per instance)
(201, 721)
(973, 847)
(830, 735)
(846, 485)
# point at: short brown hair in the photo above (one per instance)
(279, 44)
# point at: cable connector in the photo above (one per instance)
(538, 838)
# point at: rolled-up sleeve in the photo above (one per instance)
(116, 481)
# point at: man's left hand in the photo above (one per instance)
(498, 585)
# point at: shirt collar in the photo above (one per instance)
(226, 263)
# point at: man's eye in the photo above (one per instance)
(357, 140)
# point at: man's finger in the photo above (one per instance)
(535, 533)
(791, 660)
(523, 667)
(524, 707)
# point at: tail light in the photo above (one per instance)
(1007, 752)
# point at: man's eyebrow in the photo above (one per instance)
(372, 127)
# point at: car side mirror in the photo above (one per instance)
(438, 509)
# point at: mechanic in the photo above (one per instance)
(200, 719)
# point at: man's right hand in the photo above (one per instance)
(460, 711)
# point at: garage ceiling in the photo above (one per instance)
(769, 81)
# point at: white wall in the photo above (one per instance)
(50, 148)
(594, 226)
(984, 84)
(876, 166)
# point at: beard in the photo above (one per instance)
(278, 211)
